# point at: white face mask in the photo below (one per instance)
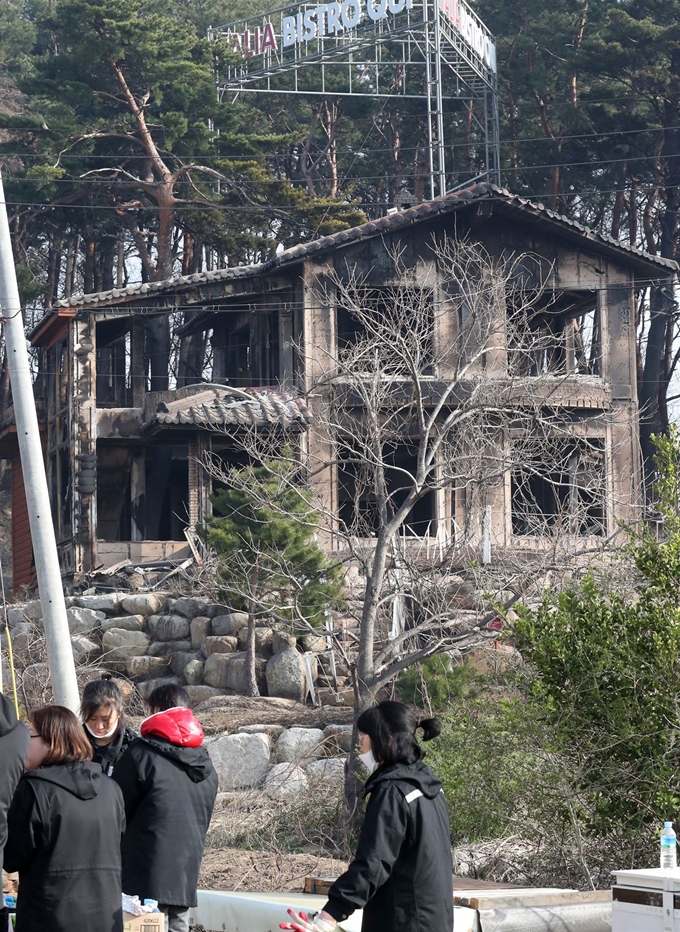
(109, 734)
(369, 761)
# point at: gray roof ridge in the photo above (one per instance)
(384, 224)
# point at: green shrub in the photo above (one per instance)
(438, 681)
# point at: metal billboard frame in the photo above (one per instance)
(438, 51)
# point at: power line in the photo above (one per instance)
(351, 150)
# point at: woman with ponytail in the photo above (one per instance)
(402, 874)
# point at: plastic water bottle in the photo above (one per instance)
(669, 848)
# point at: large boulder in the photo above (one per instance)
(229, 624)
(286, 675)
(219, 645)
(162, 648)
(281, 639)
(180, 659)
(144, 603)
(145, 667)
(119, 644)
(331, 770)
(107, 602)
(198, 694)
(22, 635)
(193, 672)
(337, 739)
(28, 611)
(240, 760)
(313, 642)
(200, 629)
(296, 744)
(84, 649)
(228, 671)
(84, 620)
(148, 686)
(189, 607)
(263, 639)
(272, 730)
(169, 628)
(213, 609)
(127, 622)
(285, 781)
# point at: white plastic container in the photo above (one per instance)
(646, 901)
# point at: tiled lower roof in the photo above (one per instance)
(220, 407)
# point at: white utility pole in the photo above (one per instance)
(55, 622)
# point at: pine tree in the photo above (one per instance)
(271, 565)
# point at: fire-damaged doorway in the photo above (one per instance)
(142, 492)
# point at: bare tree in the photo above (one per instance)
(442, 433)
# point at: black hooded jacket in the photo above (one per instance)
(169, 793)
(65, 825)
(108, 755)
(402, 874)
(14, 741)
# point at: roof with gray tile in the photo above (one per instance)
(219, 407)
(391, 222)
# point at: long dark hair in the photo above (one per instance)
(391, 726)
(100, 694)
(61, 730)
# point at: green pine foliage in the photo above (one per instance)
(439, 681)
(270, 563)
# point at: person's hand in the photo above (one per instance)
(319, 922)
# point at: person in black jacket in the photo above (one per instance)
(402, 873)
(64, 830)
(14, 742)
(169, 785)
(101, 712)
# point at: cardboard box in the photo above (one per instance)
(151, 922)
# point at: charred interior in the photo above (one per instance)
(253, 347)
(565, 489)
(554, 333)
(360, 496)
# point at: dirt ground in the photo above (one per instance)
(263, 871)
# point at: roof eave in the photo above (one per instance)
(644, 262)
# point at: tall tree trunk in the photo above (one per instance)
(88, 272)
(252, 688)
(191, 354)
(157, 351)
(651, 391)
(54, 272)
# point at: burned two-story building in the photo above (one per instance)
(124, 463)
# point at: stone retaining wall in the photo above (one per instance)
(153, 637)
(283, 762)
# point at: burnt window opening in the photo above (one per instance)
(166, 514)
(114, 364)
(229, 458)
(562, 491)
(407, 310)
(358, 495)
(59, 474)
(114, 496)
(159, 508)
(554, 335)
(246, 349)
